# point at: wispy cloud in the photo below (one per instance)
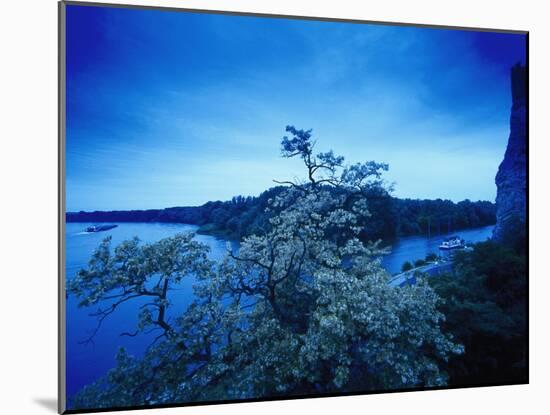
(176, 109)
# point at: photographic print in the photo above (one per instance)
(266, 207)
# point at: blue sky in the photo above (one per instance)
(176, 109)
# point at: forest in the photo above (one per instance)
(242, 216)
(486, 310)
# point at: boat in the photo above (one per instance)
(100, 228)
(453, 242)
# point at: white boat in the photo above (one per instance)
(454, 242)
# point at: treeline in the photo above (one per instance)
(415, 217)
(243, 216)
(235, 218)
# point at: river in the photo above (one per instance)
(88, 362)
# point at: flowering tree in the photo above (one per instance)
(304, 308)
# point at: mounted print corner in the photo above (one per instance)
(258, 207)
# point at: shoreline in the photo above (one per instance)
(211, 230)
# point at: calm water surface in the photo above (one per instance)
(412, 248)
(88, 362)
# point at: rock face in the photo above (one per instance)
(511, 179)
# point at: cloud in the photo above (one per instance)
(183, 109)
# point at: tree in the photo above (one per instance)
(133, 271)
(407, 266)
(431, 257)
(303, 308)
(419, 263)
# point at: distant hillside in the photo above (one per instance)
(242, 216)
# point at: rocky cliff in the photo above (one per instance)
(511, 179)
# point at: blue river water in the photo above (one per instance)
(87, 362)
(412, 248)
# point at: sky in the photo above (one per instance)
(175, 109)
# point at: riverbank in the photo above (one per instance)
(211, 230)
(413, 248)
(390, 218)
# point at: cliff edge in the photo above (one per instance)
(511, 179)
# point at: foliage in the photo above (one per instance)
(303, 307)
(407, 266)
(431, 257)
(486, 310)
(131, 271)
(419, 262)
(438, 216)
